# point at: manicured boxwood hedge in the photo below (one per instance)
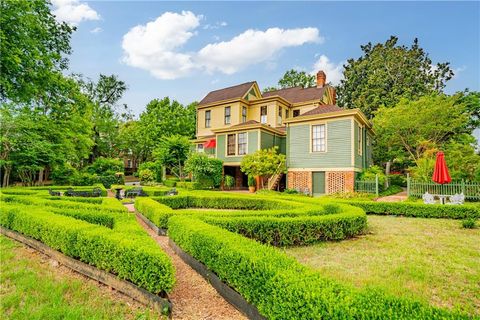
(222, 202)
(110, 241)
(154, 211)
(294, 230)
(282, 288)
(412, 209)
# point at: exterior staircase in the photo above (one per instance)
(274, 179)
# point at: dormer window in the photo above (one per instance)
(208, 117)
(227, 115)
(244, 114)
(263, 114)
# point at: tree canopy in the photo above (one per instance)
(293, 78)
(387, 72)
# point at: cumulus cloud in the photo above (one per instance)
(73, 11)
(334, 71)
(153, 46)
(157, 46)
(252, 47)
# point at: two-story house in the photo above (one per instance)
(325, 145)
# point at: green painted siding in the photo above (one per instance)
(221, 147)
(358, 157)
(268, 140)
(338, 146)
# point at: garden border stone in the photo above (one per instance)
(159, 303)
(229, 294)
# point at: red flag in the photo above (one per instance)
(440, 174)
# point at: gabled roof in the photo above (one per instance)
(237, 91)
(298, 94)
(322, 109)
(249, 122)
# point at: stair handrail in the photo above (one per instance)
(274, 177)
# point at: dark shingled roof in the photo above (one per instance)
(249, 122)
(297, 94)
(237, 91)
(322, 109)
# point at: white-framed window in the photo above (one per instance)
(227, 114)
(242, 143)
(263, 114)
(231, 142)
(208, 115)
(360, 140)
(200, 147)
(129, 163)
(244, 114)
(318, 138)
(279, 118)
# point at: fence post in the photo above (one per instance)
(376, 184)
(463, 186)
(408, 185)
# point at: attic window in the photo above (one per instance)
(296, 113)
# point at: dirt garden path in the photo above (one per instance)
(401, 196)
(192, 297)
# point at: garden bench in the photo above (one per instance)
(97, 192)
(172, 192)
(54, 193)
(135, 192)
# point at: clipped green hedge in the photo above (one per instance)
(189, 185)
(221, 202)
(170, 183)
(154, 211)
(126, 250)
(294, 230)
(282, 288)
(420, 210)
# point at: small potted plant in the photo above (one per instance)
(251, 183)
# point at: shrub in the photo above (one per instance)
(371, 173)
(398, 180)
(410, 209)
(469, 223)
(146, 175)
(282, 288)
(85, 179)
(170, 183)
(229, 181)
(105, 166)
(155, 167)
(154, 211)
(393, 189)
(205, 170)
(189, 185)
(63, 174)
(124, 250)
(290, 191)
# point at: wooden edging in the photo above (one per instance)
(229, 294)
(158, 303)
(151, 225)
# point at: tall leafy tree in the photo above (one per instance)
(105, 95)
(387, 72)
(172, 153)
(412, 128)
(294, 78)
(164, 118)
(33, 53)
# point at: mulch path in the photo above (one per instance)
(193, 297)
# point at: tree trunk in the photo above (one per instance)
(387, 174)
(40, 176)
(6, 176)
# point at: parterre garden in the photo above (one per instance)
(241, 238)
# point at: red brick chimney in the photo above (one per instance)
(321, 79)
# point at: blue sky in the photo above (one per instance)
(191, 48)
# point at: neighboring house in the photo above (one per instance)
(325, 145)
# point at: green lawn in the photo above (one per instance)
(30, 289)
(431, 259)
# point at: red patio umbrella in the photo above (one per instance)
(212, 143)
(440, 174)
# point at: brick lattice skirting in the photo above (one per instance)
(339, 181)
(300, 180)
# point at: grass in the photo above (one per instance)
(434, 260)
(32, 289)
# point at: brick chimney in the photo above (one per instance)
(321, 79)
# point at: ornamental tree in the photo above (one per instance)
(263, 163)
(207, 171)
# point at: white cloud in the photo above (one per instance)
(157, 46)
(457, 71)
(334, 71)
(96, 30)
(153, 46)
(252, 47)
(217, 25)
(73, 11)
